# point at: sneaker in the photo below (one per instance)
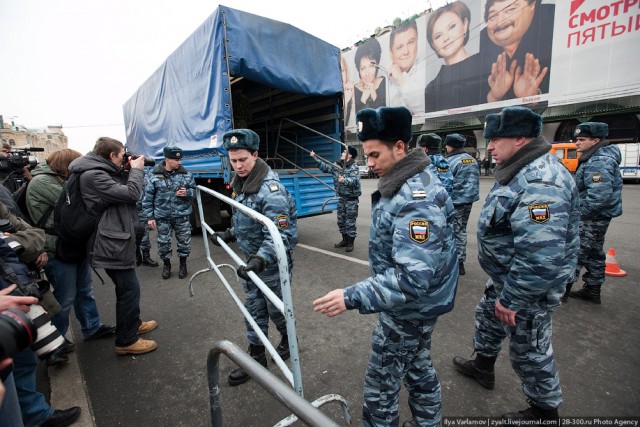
(147, 326)
(141, 346)
(101, 332)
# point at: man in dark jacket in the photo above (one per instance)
(110, 188)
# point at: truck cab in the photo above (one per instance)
(567, 153)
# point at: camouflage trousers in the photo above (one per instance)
(530, 349)
(145, 243)
(347, 215)
(182, 229)
(401, 351)
(592, 256)
(261, 308)
(461, 216)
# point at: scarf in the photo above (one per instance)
(586, 155)
(415, 162)
(252, 183)
(531, 151)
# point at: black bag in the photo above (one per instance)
(20, 197)
(74, 224)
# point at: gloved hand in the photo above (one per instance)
(254, 263)
(226, 237)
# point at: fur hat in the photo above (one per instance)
(429, 140)
(592, 130)
(455, 140)
(513, 122)
(172, 153)
(385, 123)
(241, 138)
(352, 151)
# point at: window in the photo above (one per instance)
(572, 154)
(12, 142)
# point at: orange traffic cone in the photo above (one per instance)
(612, 268)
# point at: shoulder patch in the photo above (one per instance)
(468, 161)
(234, 195)
(442, 170)
(419, 230)
(596, 177)
(274, 188)
(282, 221)
(539, 212)
(419, 194)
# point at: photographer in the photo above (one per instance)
(15, 166)
(35, 410)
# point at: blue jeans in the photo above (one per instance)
(34, 407)
(127, 305)
(10, 415)
(72, 286)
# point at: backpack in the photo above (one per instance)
(73, 223)
(20, 197)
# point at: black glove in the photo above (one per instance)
(226, 237)
(254, 263)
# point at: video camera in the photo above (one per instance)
(12, 166)
(130, 156)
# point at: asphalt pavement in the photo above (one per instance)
(596, 346)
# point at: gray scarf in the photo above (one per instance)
(252, 183)
(415, 162)
(586, 155)
(457, 151)
(507, 170)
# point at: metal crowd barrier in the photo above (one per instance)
(285, 306)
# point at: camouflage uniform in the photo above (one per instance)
(270, 198)
(466, 190)
(600, 185)
(170, 211)
(414, 272)
(145, 243)
(349, 191)
(440, 166)
(528, 245)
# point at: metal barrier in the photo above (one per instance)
(285, 306)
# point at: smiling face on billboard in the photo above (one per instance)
(508, 21)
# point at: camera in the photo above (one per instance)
(12, 166)
(129, 156)
(17, 332)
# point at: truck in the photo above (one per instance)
(567, 153)
(239, 70)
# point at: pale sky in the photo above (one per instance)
(76, 62)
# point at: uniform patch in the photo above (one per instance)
(282, 221)
(442, 170)
(273, 188)
(234, 195)
(419, 230)
(419, 194)
(596, 177)
(468, 161)
(539, 213)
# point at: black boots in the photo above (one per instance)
(146, 260)
(350, 243)
(481, 369)
(239, 376)
(533, 413)
(461, 268)
(342, 243)
(182, 273)
(588, 292)
(565, 297)
(166, 269)
(283, 348)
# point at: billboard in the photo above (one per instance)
(471, 56)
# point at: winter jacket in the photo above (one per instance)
(160, 201)
(600, 183)
(351, 185)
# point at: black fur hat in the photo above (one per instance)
(384, 123)
(172, 153)
(352, 151)
(429, 140)
(455, 140)
(592, 130)
(512, 122)
(241, 138)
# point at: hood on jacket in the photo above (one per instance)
(93, 161)
(44, 169)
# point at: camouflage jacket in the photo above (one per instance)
(160, 200)
(351, 185)
(263, 192)
(412, 251)
(528, 238)
(600, 183)
(440, 166)
(466, 177)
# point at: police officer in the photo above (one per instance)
(600, 185)
(414, 271)
(466, 189)
(346, 181)
(528, 245)
(167, 206)
(143, 252)
(430, 144)
(256, 186)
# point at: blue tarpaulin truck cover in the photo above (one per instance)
(187, 100)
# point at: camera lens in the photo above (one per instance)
(17, 332)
